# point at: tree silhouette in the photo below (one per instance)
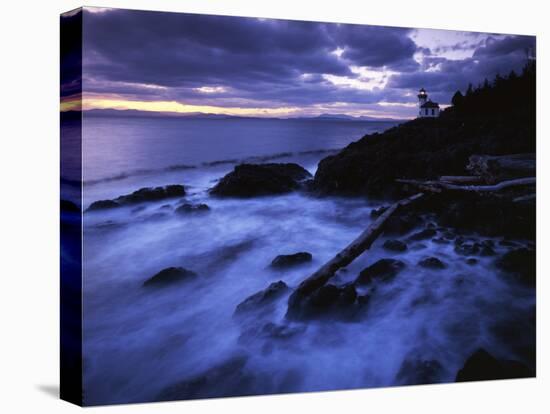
(458, 99)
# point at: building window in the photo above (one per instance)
(433, 111)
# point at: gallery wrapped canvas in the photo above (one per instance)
(254, 206)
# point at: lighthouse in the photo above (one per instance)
(428, 108)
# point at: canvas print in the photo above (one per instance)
(255, 206)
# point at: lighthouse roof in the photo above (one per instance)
(422, 90)
(430, 104)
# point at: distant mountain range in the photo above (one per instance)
(200, 115)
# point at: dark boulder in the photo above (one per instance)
(395, 246)
(482, 366)
(226, 379)
(187, 208)
(142, 195)
(419, 371)
(103, 205)
(327, 302)
(250, 180)
(289, 260)
(383, 269)
(262, 298)
(432, 263)
(170, 276)
(423, 235)
(521, 264)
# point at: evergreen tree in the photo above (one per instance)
(458, 99)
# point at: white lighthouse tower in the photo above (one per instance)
(428, 109)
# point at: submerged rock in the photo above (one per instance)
(395, 246)
(187, 208)
(271, 332)
(289, 260)
(170, 276)
(383, 269)
(327, 302)
(250, 180)
(140, 196)
(521, 264)
(262, 298)
(482, 366)
(418, 371)
(432, 263)
(226, 379)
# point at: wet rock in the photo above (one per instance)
(401, 223)
(103, 205)
(419, 246)
(271, 332)
(226, 379)
(471, 261)
(521, 264)
(440, 240)
(250, 180)
(142, 195)
(482, 366)
(327, 302)
(423, 235)
(395, 246)
(169, 276)
(467, 249)
(432, 263)
(284, 261)
(419, 371)
(383, 269)
(449, 235)
(262, 298)
(188, 208)
(486, 251)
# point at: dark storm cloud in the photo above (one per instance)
(376, 46)
(245, 54)
(269, 63)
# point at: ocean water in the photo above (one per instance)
(138, 342)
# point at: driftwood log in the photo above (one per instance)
(460, 178)
(438, 186)
(352, 251)
(495, 168)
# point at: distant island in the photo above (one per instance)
(134, 113)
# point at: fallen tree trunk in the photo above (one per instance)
(460, 178)
(352, 251)
(438, 186)
(501, 167)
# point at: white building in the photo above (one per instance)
(428, 109)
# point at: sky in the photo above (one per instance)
(177, 62)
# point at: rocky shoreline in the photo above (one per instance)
(476, 225)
